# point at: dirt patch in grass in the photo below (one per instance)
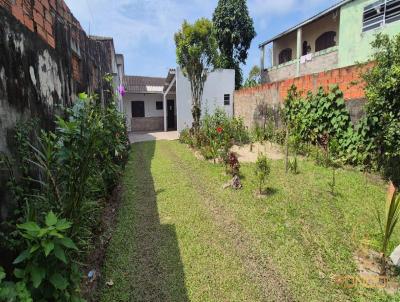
(249, 153)
(102, 237)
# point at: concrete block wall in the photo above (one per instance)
(348, 79)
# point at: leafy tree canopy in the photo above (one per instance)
(196, 51)
(383, 107)
(234, 30)
(254, 78)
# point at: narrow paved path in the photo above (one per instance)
(176, 242)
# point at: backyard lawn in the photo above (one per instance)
(181, 237)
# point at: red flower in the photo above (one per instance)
(219, 129)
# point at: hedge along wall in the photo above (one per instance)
(45, 60)
(348, 79)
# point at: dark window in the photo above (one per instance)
(285, 55)
(326, 40)
(227, 99)
(137, 109)
(374, 15)
(159, 105)
(392, 11)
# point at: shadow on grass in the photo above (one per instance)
(158, 273)
(266, 192)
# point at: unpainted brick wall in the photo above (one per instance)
(348, 79)
(39, 16)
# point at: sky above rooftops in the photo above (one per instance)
(143, 30)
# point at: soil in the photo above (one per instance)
(369, 270)
(103, 236)
(249, 153)
(246, 154)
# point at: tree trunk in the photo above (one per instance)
(287, 151)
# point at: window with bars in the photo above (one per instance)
(227, 99)
(379, 13)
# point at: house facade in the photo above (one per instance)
(338, 37)
(164, 104)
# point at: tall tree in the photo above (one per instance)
(254, 78)
(196, 52)
(234, 32)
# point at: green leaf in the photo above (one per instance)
(29, 226)
(63, 224)
(83, 96)
(51, 219)
(34, 248)
(19, 273)
(2, 274)
(48, 247)
(58, 281)
(67, 242)
(37, 274)
(59, 253)
(22, 257)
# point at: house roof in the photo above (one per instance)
(310, 20)
(139, 84)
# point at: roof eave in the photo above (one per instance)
(310, 20)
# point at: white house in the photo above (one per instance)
(164, 104)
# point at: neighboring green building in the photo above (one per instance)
(337, 37)
(355, 36)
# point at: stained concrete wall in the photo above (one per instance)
(39, 80)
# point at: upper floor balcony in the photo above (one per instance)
(308, 48)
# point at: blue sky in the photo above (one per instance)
(143, 30)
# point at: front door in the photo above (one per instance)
(171, 114)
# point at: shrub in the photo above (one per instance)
(234, 165)
(68, 172)
(262, 171)
(381, 132)
(13, 292)
(48, 273)
(217, 134)
(388, 223)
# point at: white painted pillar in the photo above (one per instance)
(299, 49)
(165, 112)
(262, 58)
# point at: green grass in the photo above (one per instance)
(181, 237)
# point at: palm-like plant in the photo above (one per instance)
(387, 225)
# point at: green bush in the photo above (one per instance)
(48, 272)
(69, 172)
(262, 171)
(216, 135)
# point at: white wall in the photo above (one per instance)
(219, 82)
(149, 103)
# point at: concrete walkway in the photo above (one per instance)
(136, 137)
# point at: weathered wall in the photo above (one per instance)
(348, 79)
(37, 76)
(321, 61)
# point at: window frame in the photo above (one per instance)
(383, 17)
